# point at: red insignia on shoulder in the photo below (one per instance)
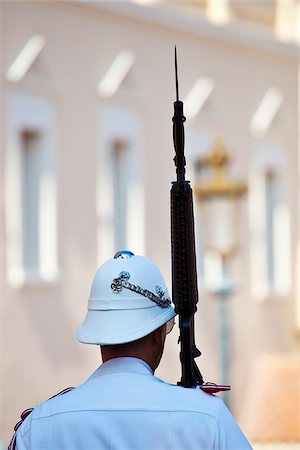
(213, 388)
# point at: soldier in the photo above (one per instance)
(122, 405)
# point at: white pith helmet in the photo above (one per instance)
(128, 300)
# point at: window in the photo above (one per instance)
(30, 190)
(31, 180)
(120, 190)
(270, 244)
(270, 205)
(277, 237)
(120, 150)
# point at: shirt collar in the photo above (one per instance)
(125, 365)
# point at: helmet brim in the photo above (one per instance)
(99, 327)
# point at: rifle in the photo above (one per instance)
(184, 271)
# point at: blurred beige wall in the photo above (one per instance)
(39, 317)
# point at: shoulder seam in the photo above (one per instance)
(128, 410)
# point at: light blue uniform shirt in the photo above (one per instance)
(122, 406)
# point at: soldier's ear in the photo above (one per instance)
(160, 335)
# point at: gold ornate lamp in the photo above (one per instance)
(218, 196)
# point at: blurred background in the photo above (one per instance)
(87, 91)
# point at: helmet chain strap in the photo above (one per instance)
(122, 282)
